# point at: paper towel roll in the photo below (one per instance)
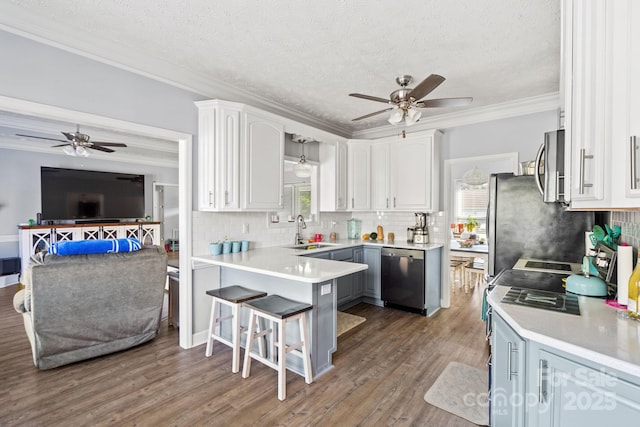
(625, 268)
(587, 242)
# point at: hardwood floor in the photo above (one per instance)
(382, 370)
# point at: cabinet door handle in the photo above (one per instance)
(394, 201)
(352, 203)
(542, 381)
(210, 198)
(634, 160)
(511, 349)
(583, 157)
(387, 203)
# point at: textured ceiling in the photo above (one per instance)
(308, 55)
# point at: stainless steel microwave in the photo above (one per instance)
(549, 168)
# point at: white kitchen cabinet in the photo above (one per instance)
(359, 175)
(508, 367)
(632, 94)
(240, 158)
(380, 176)
(405, 172)
(333, 176)
(600, 93)
(219, 155)
(263, 162)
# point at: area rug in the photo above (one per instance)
(462, 390)
(347, 322)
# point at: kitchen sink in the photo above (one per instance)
(311, 246)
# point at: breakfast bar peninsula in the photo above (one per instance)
(283, 271)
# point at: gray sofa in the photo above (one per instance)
(82, 306)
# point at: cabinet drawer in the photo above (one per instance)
(342, 255)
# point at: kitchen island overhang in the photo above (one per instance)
(283, 272)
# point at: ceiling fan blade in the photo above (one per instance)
(370, 98)
(109, 144)
(60, 145)
(444, 102)
(371, 114)
(426, 86)
(100, 148)
(39, 137)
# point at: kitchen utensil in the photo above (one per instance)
(353, 228)
(592, 286)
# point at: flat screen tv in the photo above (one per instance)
(71, 194)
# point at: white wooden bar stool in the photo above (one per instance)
(279, 312)
(232, 296)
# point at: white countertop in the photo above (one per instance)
(290, 263)
(598, 334)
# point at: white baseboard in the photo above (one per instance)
(8, 280)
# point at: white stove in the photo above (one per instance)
(546, 266)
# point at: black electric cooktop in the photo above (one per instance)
(526, 279)
(553, 301)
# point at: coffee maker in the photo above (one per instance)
(420, 230)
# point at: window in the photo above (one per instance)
(471, 200)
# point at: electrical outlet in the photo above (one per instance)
(245, 228)
(325, 289)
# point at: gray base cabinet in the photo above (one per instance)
(570, 393)
(537, 385)
(372, 274)
(507, 375)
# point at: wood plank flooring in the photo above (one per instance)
(383, 367)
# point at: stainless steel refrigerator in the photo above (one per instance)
(520, 224)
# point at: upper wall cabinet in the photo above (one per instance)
(240, 158)
(405, 172)
(333, 176)
(263, 163)
(600, 92)
(359, 175)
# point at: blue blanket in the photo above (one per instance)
(106, 246)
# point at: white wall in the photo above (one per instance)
(20, 195)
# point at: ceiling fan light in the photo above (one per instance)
(413, 116)
(69, 151)
(396, 116)
(82, 152)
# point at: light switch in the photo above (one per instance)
(245, 228)
(325, 289)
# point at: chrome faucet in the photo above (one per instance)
(300, 226)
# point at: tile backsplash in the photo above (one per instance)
(629, 222)
(211, 227)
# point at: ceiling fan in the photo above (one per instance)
(77, 143)
(406, 101)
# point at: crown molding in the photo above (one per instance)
(158, 69)
(535, 104)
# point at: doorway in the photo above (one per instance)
(454, 169)
(166, 211)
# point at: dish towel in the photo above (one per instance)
(485, 305)
(104, 246)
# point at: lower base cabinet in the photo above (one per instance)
(372, 274)
(507, 375)
(536, 385)
(570, 393)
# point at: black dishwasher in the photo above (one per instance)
(402, 272)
